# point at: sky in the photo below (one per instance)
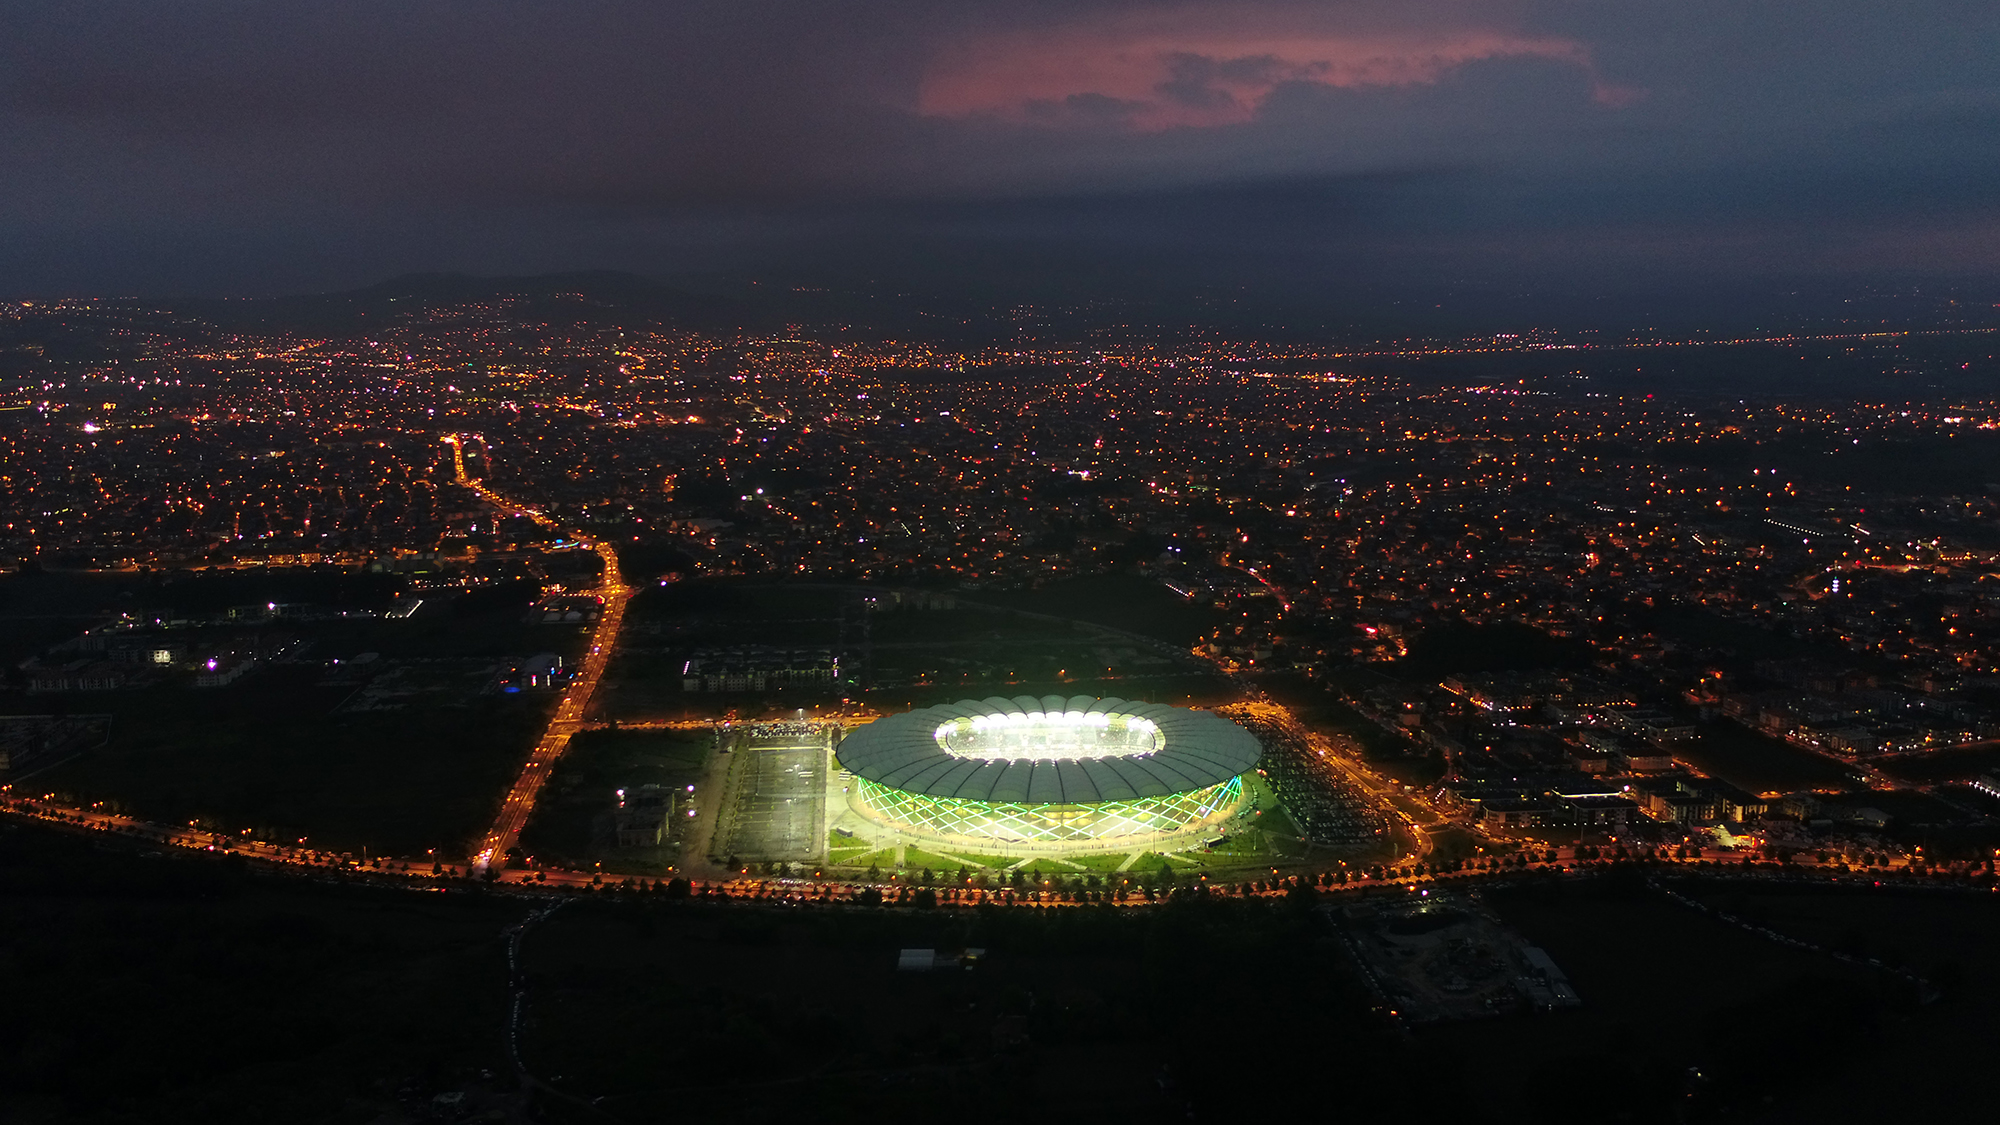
(1083, 149)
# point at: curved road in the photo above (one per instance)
(568, 718)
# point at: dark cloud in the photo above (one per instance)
(206, 146)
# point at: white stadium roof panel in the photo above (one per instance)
(1193, 749)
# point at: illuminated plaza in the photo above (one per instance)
(1052, 774)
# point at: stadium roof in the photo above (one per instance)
(1199, 749)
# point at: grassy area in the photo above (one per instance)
(840, 846)
(1947, 765)
(1696, 983)
(915, 859)
(618, 991)
(1278, 821)
(1180, 689)
(884, 858)
(1444, 650)
(1246, 843)
(270, 754)
(1453, 842)
(1121, 601)
(571, 824)
(400, 754)
(313, 1003)
(1286, 848)
(1320, 707)
(180, 989)
(1699, 628)
(920, 656)
(1760, 763)
(1099, 863)
(1001, 862)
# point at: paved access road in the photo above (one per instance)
(568, 718)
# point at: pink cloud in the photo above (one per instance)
(1155, 77)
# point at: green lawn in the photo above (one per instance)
(915, 859)
(1276, 819)
(884, 858)
(969, 859)
(1099, 863)
(1000, 862)
(1241, 844)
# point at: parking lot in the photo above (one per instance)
(774, 811)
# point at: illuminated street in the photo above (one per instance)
(575, 699)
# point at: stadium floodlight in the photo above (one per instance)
(1049, 773)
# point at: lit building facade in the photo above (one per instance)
(1049, 774)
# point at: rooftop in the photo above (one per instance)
(1051, 749)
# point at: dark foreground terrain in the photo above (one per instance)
(173, 988)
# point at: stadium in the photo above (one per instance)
(1049, 774)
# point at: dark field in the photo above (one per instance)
(301, 748)
(1950, 765)
(1760, 763)
(183, 990)
(913, 656)
(188, 989)
(1688, 1018)
(1439, 652)
(571, 825)
(1120, 601)
(270, 755)
(1703, 630)
(1076, 1015)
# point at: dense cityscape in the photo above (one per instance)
(622, 564)
(1552, 625)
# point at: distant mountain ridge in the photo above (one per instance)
(574, 297)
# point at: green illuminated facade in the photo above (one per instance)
(1039, 774)
(1104, 822)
